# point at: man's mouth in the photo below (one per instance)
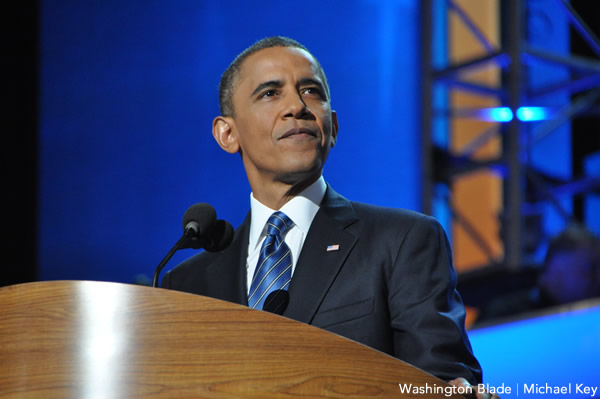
(297, 132)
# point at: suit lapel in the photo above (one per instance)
(317, 267)
(230, 268)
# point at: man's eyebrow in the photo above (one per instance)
(264, 85)
(309, 82)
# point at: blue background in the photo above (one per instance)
(128, 94)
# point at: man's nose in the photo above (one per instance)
(297, 108)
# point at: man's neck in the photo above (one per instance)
(277, 194)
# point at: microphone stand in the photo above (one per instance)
(178, 245)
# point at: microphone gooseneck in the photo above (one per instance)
(201, 229)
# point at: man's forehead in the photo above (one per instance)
(273, 62)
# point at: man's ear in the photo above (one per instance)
(334, 128)
(223, 132)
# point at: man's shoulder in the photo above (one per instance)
(202, 258)
(190, 269)
(387, 216)
(377, 214)
(363, 208)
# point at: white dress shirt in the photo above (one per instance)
(300, 209)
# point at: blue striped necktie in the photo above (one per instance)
(274, 268)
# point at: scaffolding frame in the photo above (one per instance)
(441, 165)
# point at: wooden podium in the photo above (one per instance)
(82, 339)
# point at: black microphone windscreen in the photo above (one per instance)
(277, 302)
(219, 237)
(202, 216)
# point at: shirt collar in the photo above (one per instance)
(301, 210)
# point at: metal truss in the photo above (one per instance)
(522, 184)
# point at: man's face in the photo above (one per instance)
(283, 123)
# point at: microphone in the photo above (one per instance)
(219, 237)
(197, 221)
(201, 229)
(277, 302)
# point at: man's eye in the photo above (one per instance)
(313, 91)
(268, 93)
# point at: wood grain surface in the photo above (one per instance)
(82, 339)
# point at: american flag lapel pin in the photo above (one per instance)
(334, 247)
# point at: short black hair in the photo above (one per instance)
(229, 77)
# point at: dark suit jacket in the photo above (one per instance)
(390, 285)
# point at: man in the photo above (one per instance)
(379, 276)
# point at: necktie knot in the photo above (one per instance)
(278, 224)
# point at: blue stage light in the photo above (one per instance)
(530, 114)
(505, 114)
(498, 114)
